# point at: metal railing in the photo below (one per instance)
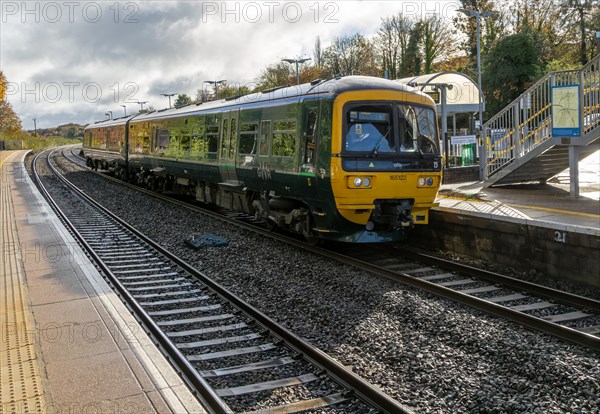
(526, 123)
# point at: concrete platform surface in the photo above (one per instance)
(68, 342)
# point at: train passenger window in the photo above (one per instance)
(248, 135)
(212, 136)
(198, 140)
(264, 138)
(284, 138)
(185, 144)
(225, 138)
(310, 135)
(232, 137)
(162, 142)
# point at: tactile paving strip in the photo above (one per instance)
(20, 389)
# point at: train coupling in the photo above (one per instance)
(391, 214)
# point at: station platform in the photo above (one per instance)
(548, 205)
(68, 342)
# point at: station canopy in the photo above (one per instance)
(462, 97)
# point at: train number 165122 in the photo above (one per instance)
(398, 177)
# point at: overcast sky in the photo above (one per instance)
(72, 61)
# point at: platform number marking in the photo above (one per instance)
(560, 236)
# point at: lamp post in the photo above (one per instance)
(297, 62)
(478, 15)
(124, 110)
(169, 96)
(216, 85)
(109, 115)
(142, 105)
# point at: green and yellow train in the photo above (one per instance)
(354, 159)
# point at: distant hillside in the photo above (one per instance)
(65, 131)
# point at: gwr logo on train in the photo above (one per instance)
(264, 172)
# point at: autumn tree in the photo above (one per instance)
(576, 16)
(391, 44)
(492, 28)
(438, 42)
(10, 123)
(350, 55)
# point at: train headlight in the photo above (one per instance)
(359, 182)
(425, 182)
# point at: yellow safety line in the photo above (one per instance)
(2, 161)
(554, 210)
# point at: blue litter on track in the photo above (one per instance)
(198, 241)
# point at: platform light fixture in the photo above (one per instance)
(169, 95)
(216, 86)
(478, 15)
(124, 110)
(297, 62)
(142, 105)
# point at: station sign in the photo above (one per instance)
(463, 139)
(565, 111)
(435, 95)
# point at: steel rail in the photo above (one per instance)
(186, 368)
(514, 283)
(565, 333)
(339, 373)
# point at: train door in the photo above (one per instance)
(228, 148)
(308, 146)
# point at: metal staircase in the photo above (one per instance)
(519, 146)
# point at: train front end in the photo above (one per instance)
(386, 165)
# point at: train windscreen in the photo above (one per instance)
(380, 129)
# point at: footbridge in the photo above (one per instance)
(518, 143)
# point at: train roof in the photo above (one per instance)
(330, 87)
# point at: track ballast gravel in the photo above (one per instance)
(427, 352)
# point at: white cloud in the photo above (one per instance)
(73, 61)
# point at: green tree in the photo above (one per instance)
(539, 17)
(509, 69)
(318, 53)
(439, 42)
(182, 100)
(411, 66)
(274, 75)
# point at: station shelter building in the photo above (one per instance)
(460, 107)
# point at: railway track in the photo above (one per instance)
(237, 358)
(570, 317)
